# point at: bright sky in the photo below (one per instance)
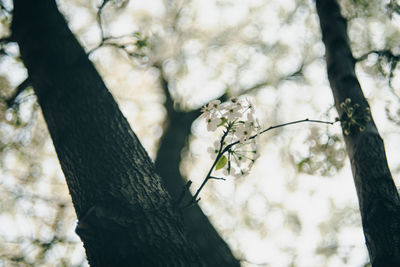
(275, 213)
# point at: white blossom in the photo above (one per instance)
(249, 105)
(232, 112)
(214, 104)
(241, 127)
(256, 153)
(212, 123)
(211, 108)
(243, 132)
(214, 149)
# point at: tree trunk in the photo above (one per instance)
(209, 245)
(125, 215)
(377, 195)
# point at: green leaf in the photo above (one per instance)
(221, 162)
(223, 120)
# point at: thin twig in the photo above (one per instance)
(277, 126)
(5, 39)
(99, 19)
(380, 53)
(219, 155)
(217, 178)
(111, 40)
(11, 100)
(392, 59)
(100, 23)
(227, 148)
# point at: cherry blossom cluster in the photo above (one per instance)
(236, 151)
(240, 127)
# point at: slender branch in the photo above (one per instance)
(100, 23)
(387, 53)
(11, 100)
(219, 155)
(380, 53)
(217, 178)
(5, 39)
(293, 122)
(113, 40)
(223, 150)
(228, 147)
(123, 47)
(99, 19)
(392, 59)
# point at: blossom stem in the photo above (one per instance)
(219, 155)
(222, 150)
(275, 127)
(217, 178)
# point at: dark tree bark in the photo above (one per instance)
(209, 245)
(378, 197)
(125, 215)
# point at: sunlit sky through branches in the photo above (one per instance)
(277, 215)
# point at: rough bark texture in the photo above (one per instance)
(209, 245)
(125, 216)
(378, 198)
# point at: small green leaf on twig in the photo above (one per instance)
(223, 121)
(221, 162)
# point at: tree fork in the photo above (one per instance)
(210, 246)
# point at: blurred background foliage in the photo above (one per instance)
(163, 60)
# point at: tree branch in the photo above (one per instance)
(6, 39)
(223, 150)
(20, 88)
(391, 58)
